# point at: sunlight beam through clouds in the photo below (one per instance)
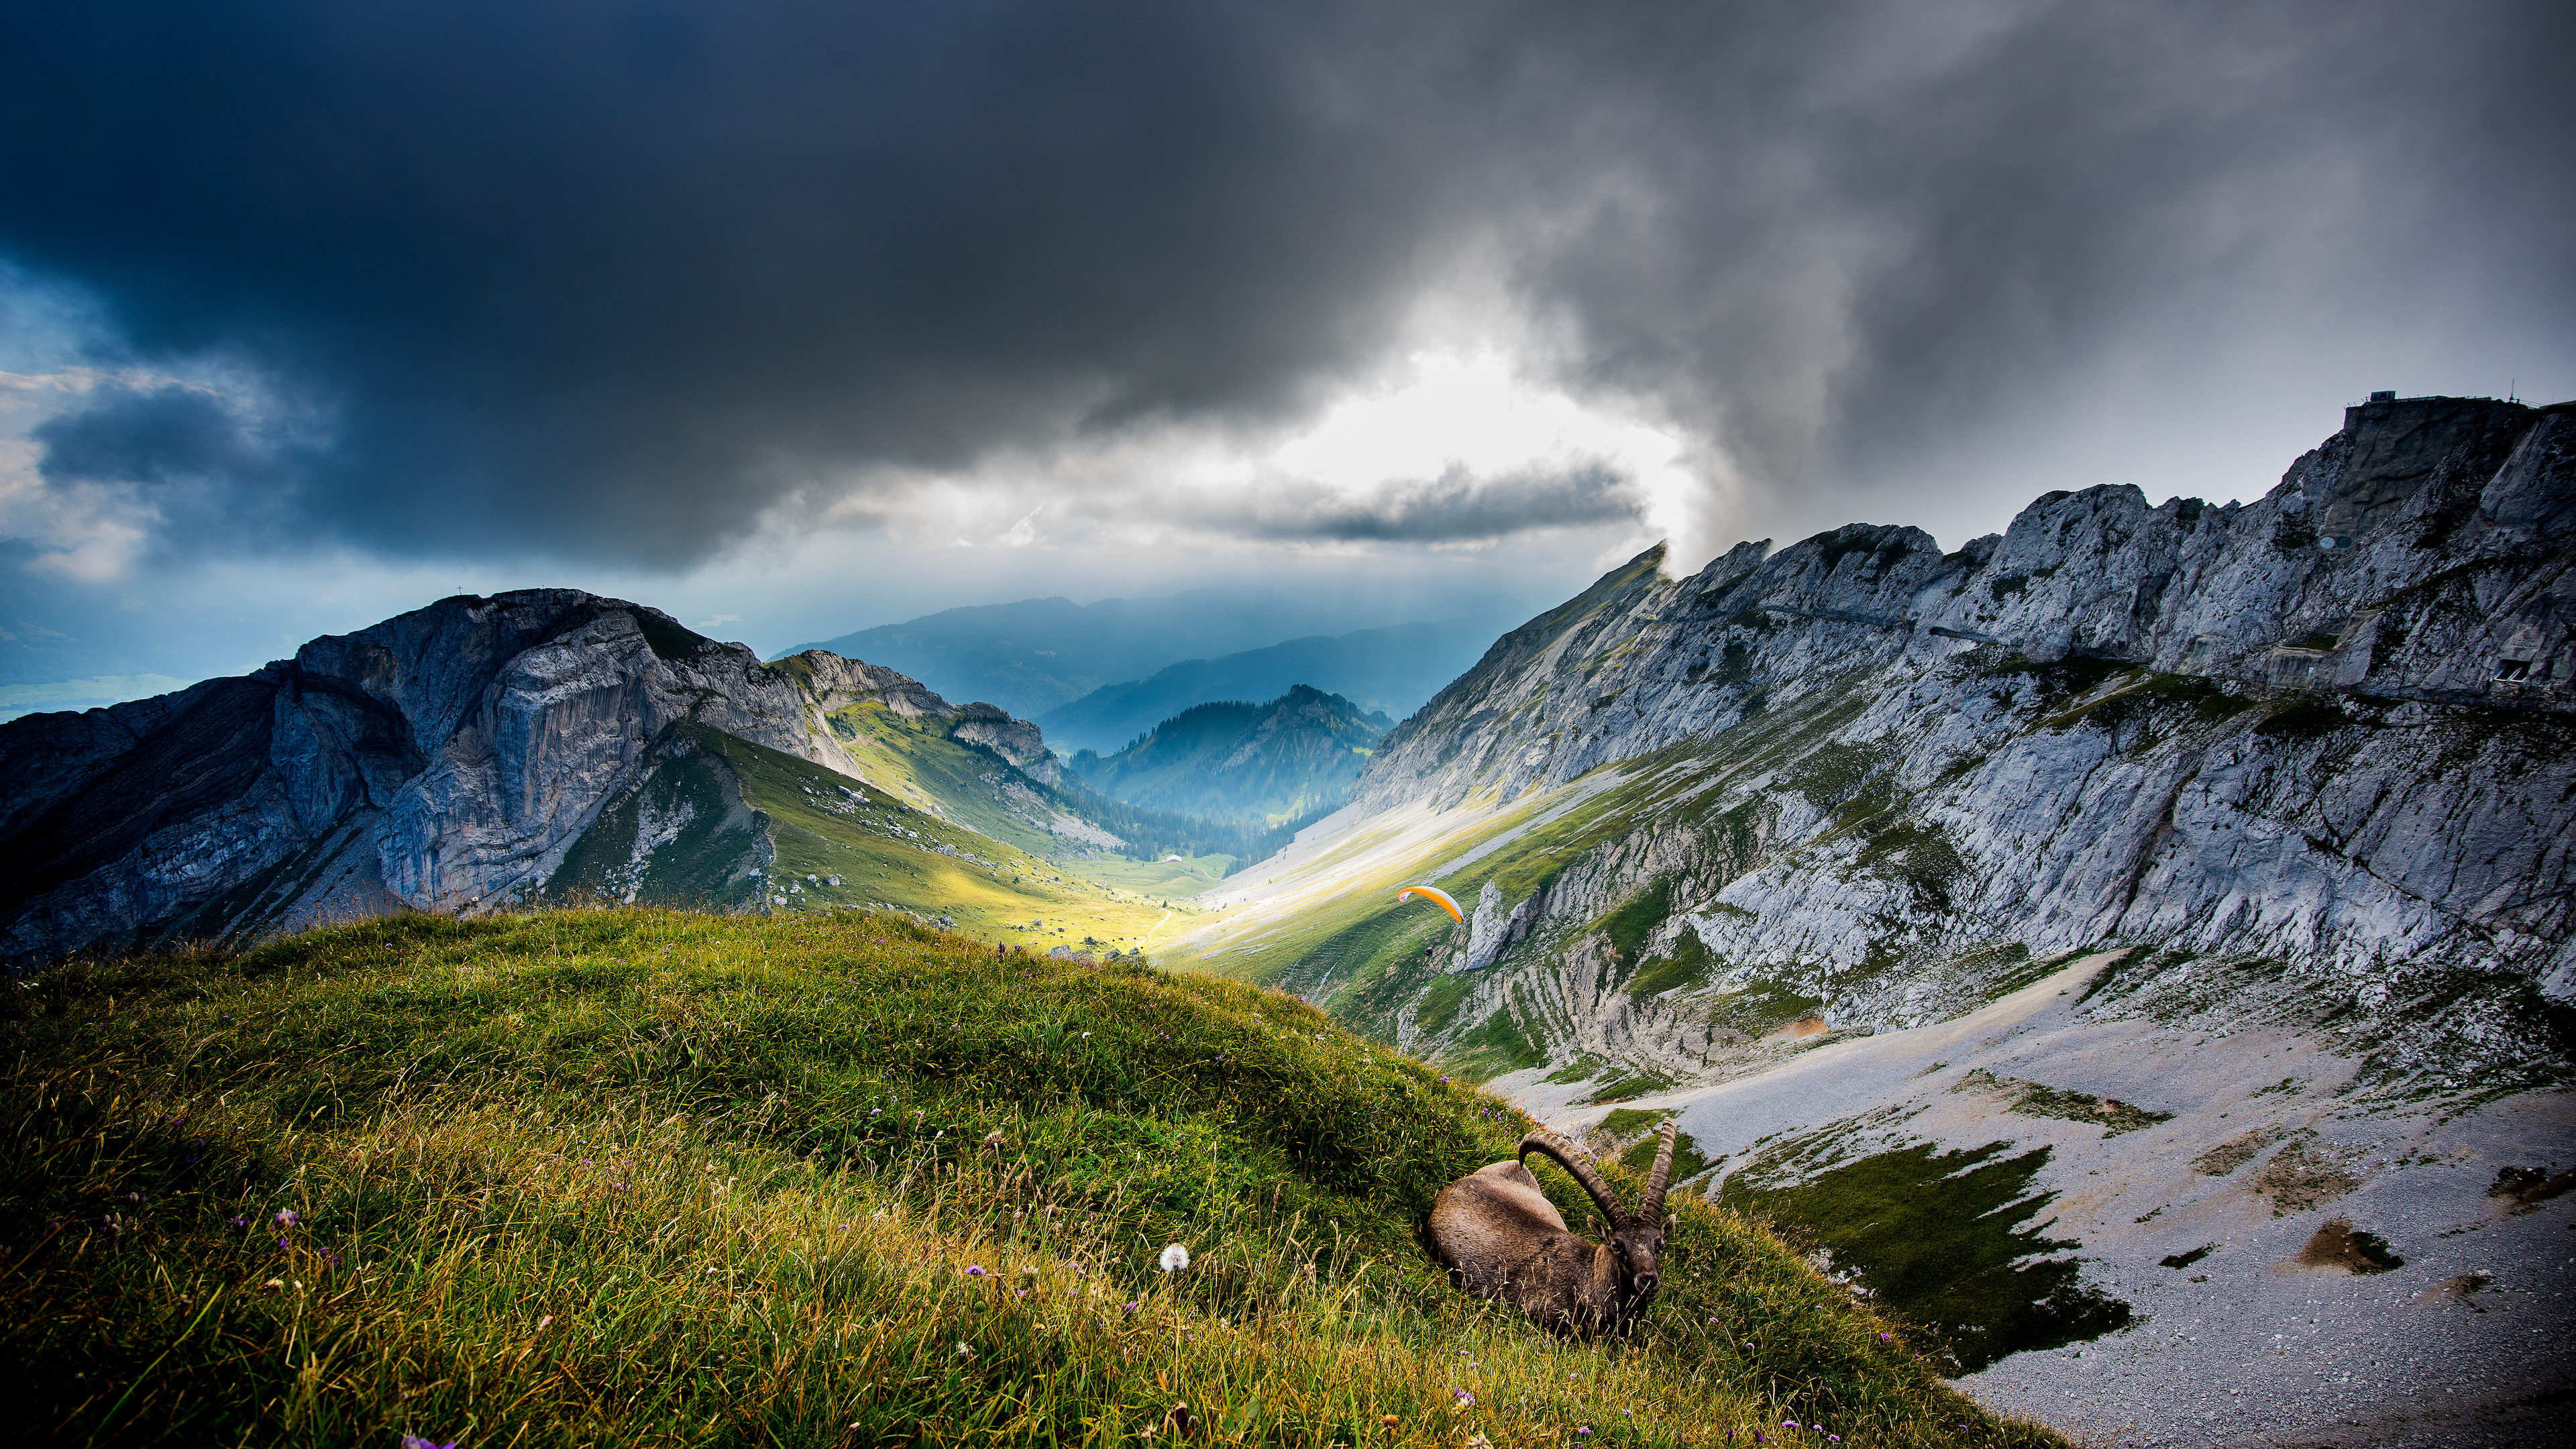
(1448, 449)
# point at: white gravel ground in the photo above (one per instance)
(2246, 1346)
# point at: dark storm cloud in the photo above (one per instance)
(608, 278)
(186, 456)
(154, 436)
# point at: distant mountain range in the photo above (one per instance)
(545, 746)
(1040, 654)
(1293, 757)
(1390, 671)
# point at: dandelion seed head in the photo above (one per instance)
(1175, 1258)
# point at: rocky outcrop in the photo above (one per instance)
(2454, 589)
(443, 760)
(1496, 927)
(1866, 780)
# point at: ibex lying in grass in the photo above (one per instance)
(1500, 1236)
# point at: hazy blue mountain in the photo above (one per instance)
(1038, 654)
(1294, 756)
(1391, 671)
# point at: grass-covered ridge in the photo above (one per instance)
(733, 824)
(649, 1177)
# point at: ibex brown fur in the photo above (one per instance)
(1500, 1236)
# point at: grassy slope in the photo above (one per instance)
(888, 850)
(987, 890)
(921, 766)
(1371, 950)
(654, 1177)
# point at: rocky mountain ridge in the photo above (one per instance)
(2341, 757)
(446, 760)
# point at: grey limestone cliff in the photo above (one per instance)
(1860, 780)
(442, 760)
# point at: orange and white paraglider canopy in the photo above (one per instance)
(1438, 898)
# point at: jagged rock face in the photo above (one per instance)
(989, 725)
(2453, 582)
(442, 760)
(1858, 767)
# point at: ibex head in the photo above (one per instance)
(1637, 1239)
(1500, 1235)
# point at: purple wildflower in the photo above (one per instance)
(236, 1222)
(974, 1270)
(288, 1217)
(414, 1441)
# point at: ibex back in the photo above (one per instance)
(1500, 1236)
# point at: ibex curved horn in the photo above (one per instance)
(1572, 1159)
(1650, 1208)
(1497, 1233)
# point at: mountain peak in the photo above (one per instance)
(1292, 756)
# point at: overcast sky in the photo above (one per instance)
(798, 316)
